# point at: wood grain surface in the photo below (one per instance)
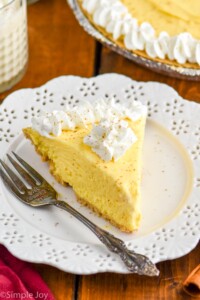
(59, 46)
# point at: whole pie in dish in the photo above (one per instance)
(96, 148)
(165, 31)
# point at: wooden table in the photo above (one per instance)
(59, 46)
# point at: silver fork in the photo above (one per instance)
(41, 193)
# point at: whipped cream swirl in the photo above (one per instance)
(110, 139)
(114, 17)
(110, 136)
(51, 124)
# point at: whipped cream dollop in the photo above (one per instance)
(110, 139)
(51, 124)
(110, 136)
(114, 17)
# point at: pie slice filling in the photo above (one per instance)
(109, 187)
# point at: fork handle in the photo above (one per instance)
(135, 262)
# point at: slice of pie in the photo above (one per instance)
(110, 187)
(165, 31)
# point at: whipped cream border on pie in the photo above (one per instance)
(114, 18)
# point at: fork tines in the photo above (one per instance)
(30, 176)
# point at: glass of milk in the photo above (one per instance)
(13, 42)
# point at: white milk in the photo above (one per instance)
(13, 42)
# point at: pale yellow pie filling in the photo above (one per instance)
(172, 16)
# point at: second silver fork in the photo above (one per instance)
(40, 193)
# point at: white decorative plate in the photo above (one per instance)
(170, 188)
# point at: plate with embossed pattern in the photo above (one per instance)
(170, 185)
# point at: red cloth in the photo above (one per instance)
(18, 280)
